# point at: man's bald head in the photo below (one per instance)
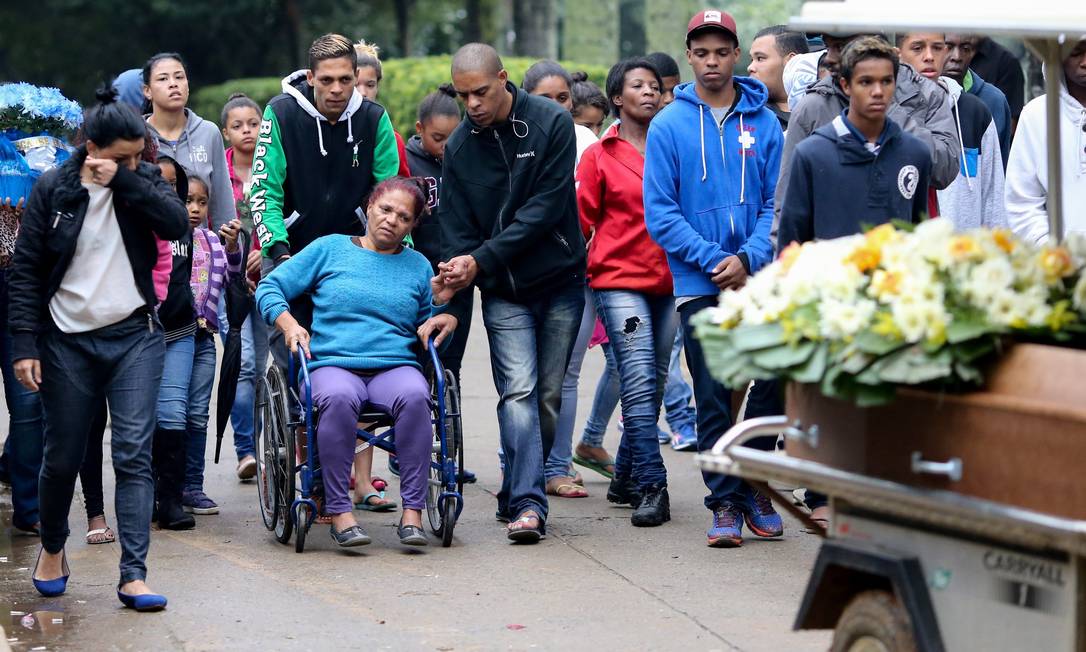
(477, 57)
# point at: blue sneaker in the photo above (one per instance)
(662, 436)
(760, 516)
(197, 502)
(686, 439)
(726, 530)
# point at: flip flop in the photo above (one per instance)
(380, 484)
(568, 490)
(525, 534)
(105, 532)
(596, 465)
(365, 505)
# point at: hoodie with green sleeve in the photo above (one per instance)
(311, 178)
(200, 151)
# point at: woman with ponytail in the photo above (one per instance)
(85, 331)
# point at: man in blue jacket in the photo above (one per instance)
(710, 207)
(963, 48)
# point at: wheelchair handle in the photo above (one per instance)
(439, 370)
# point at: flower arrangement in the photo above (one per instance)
(865, 314)
(28, 110)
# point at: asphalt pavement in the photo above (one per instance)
(594, 583)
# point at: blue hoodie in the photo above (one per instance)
(709, 198)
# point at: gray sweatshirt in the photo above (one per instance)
(919, 106)
(975, 199)
(201, 152)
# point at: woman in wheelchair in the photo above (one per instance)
(372, 297)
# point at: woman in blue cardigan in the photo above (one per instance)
(371, 298)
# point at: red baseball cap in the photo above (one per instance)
(708, 19)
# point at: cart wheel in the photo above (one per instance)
(301, 517)
(281, 453)
(874, 621)
(448, 522)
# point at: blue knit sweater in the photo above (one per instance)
(366, 305)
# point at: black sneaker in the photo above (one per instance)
(623, 491)
(654, 509)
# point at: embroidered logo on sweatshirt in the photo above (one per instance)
(746, 141)
(907, 180)
(530, 154)
(198, 154)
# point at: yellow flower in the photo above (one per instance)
(866, 257)
(789, 255)
(1004, 240)
(882, 235)
(885, 282)
(964, 247)
(1056, 263)
(1061, 316)
(885, 326)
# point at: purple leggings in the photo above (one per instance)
(340, 394)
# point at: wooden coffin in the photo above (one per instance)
(1020, 441)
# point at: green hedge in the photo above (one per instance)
(405, 83)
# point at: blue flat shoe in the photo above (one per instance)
(146, 602)
(54, 587)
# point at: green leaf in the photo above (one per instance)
(967, 326)
(784, 356)
(815, 367)
(874, 395)
(753, 338)
(875, 344)
(913, 366)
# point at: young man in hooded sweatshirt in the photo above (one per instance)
(884, 168)
(710, 207)
(975, 199)
(961, 49)
(1027, 169)
(320, 151)
(918, 106)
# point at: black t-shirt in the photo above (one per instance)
(997, 65)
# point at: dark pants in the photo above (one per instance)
(530, 346)
(713, 402)
(90, 474)
(25, 429)
(121, 363)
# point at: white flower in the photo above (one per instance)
(842, 320)
(1078, 296)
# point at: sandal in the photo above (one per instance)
(379, 484)
(100, 535)
(606, 468)
(519, 531)
(564, 489)
(366, 505)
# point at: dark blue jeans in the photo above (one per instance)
(641, 329)
(713, 402)
(25, 429)
(530, 347)
(121, 363)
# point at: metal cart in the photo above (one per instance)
(903, 568)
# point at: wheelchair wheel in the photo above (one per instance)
(266, 424)
(301, 516)
(442, 517)
(279, 438)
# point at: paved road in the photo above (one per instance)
(594, 583)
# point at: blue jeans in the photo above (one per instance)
(604, 402)
(561, 457)
(677, 394)
(641, 329)
(713, 402)
(121, 364)
(530, 347)
(26, 429)
(254, 362)
(200, 384)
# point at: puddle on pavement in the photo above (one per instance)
(30, 622)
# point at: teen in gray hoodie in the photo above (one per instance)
(184, 136)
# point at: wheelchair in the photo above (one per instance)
(288, 464)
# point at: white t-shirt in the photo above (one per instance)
(98, 288)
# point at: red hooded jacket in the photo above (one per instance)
(621, 255)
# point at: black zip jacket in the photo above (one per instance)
(427, 235)
(176, 313)
(146, 206)
(508, 199)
